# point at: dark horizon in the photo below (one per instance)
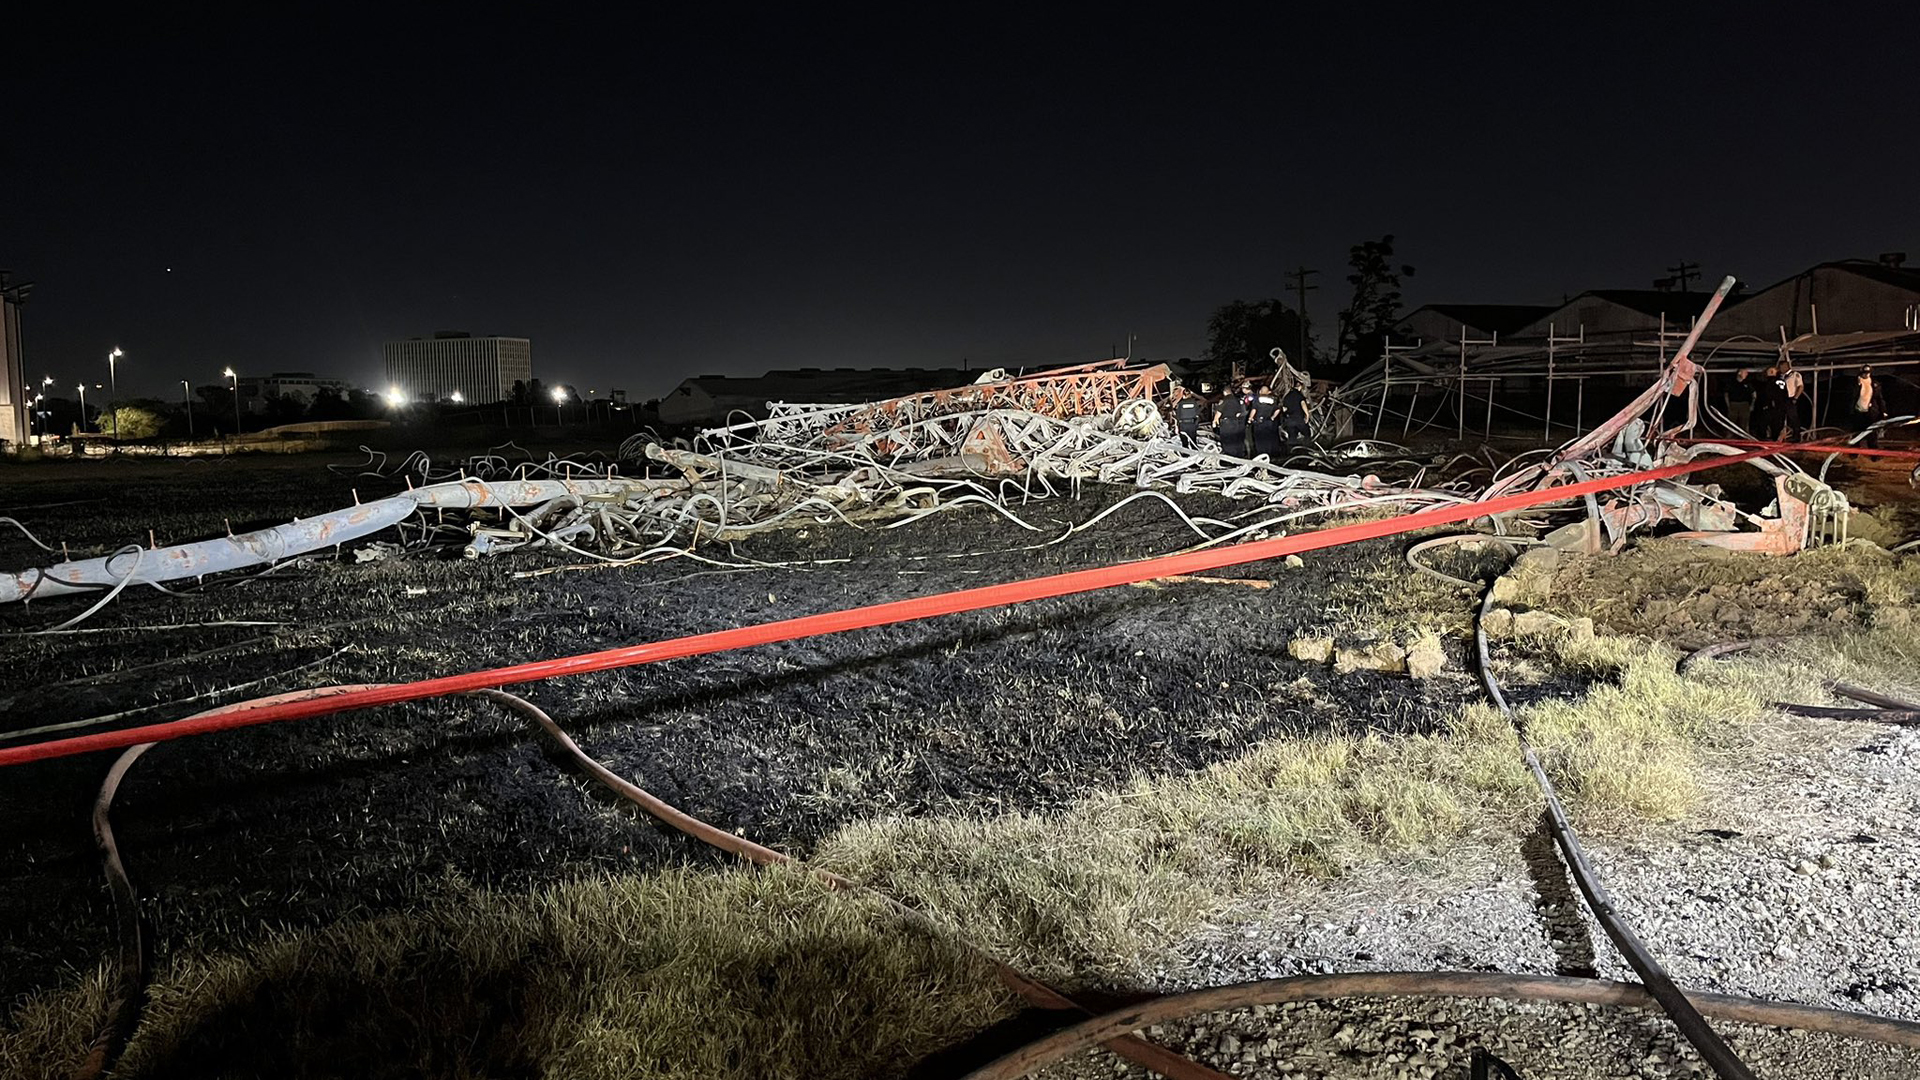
(286, 192)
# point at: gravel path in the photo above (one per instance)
(1434, 1040)
(1799, 881)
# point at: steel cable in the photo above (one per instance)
(1885, 709)
(1127, 1045)
(1718, 1055)
(125, 999)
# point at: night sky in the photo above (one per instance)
(649, 199)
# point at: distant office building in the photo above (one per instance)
(297, 387)
(453, 362)
(15, 393)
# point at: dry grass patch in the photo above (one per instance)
(1388, 600)
(1097, 893)
(679, 974)
(1091, 894)
(1628, 748)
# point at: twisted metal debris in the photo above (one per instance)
(1023, 436)
(1002, 442)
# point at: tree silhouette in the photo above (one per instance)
(1376, 299)
(1242, 335)
(329, 404)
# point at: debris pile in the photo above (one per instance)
(1007, 436)
(1003, 441)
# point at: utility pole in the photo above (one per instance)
(1297, 281)
(1684, 274)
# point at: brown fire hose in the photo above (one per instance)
(1410, 984)
(1127, 1045)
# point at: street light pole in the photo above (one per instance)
(186, 398)
(113, 395)
(236, 400)
(83, 407)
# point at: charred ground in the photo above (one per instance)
(307, 823)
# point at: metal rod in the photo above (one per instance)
(1546, 431)
(1386, 380)
(1460, 409)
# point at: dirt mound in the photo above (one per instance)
(1692, 596)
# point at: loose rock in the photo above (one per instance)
(1380, 656)
(1425, 657)
(1313, 650)
(1539, 624)
(1540, 559)
(1507, 590)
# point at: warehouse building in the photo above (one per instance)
(1846, 297)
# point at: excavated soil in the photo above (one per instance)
(304, 823)
(1692, 596)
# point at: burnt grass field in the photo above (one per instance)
(306, 823)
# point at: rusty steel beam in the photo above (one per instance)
(1091, 390)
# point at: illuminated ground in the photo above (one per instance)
(1040, 777)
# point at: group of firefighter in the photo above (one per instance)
(1245, 418)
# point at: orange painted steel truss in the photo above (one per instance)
(1090, 390)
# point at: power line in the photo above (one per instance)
(1297, 281)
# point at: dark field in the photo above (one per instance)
(305, 823)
